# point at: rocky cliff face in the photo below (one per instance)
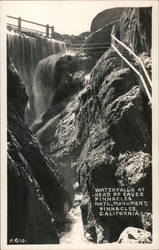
(117, 152)
(100, 41)
(105, 17)
(132, 25)
(35, 214)
(136, 29)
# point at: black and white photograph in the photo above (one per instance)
(79, 125)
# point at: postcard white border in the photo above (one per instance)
(155, 135)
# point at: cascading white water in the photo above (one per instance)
(75, 234)
(87, 79)
(25, 52)
(44, 84)
(22, 50)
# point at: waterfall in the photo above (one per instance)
(44, 84)
(22, 50)
(26, 52)
(73, 229)
(87, 79)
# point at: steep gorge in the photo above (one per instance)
(35, 212)
(96, 131)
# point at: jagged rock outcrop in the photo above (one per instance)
(46, 77)
(35, 214)
(117, 151)
(99, 41)
(132, 25)
(30, 220)
(136, 28)
(118, 139)
(105, 17)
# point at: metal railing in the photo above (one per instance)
(95, 47)
(146, 81)
(89, 47)
(19, 27)
(79, 47)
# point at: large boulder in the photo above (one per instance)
(53, 81)
(135, 235)
(100, 41)
(45, 81)
(105, 17)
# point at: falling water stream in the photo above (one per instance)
(26, 52)
(74, 233)
(43, 84)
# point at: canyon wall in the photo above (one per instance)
(136, 29)
(37, 199)
(117, 151)
(102, 133)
